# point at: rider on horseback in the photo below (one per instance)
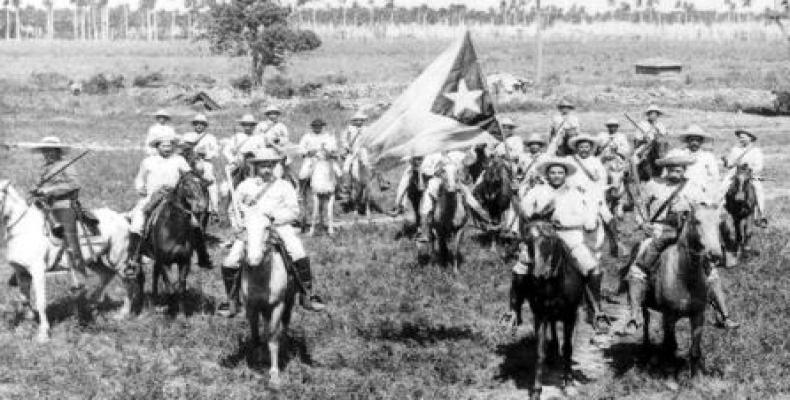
(273, 131)
(234, 150)
(571, 213)
(208, 146)
(196, 158)
(309, 147)
(414, 174)
(668, 199)
(276, 199)
(531, 159)
(563, 126)
(512, 146)
(58, 196)
(160, 127)
(705, 169)
(348, 141)
(613, 144)
(747, 153)
(157, 173)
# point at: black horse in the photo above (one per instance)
(174, 233)
(493, 192)
(740, 202)
(554, 289)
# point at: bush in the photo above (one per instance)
(50, 80)
(335, 79)
(99, 84)
(154, 79)
(243, 83)
(305, 41)
(280, 87)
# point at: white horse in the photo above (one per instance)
(32, 252)
(267, 290)
(323, 181)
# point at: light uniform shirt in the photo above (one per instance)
(596, 181)
(651, 131)
(208, 146)
(154, 131)
(617, 144)
(561, 123)
(515, 147)
(233, 147)
(430, 163)
(157, 172)
(350, 136)
(312, 142)
(280, 200)
(750, 155)
(705, 171)
(572, 211)
(275, 133)
(658, 190)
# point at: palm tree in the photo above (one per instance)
(147, 7)
(17, 21)
(50, 22)
(7, 5)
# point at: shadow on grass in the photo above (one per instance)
(194, 302)
(652, 362)
(520, 363)
(293, 345)
(420, 333)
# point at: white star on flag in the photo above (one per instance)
(465, 99)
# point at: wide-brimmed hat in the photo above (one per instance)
(583, 137)
(740, 132)
(535, 138)
(49, 142)
(318, 122)
(200, 119)
(359, 116)
(272, 109)
(695, 131)
(266, 154)
(507, 121)
(570, 168)
(676, 157)
(162, 113)
(247, 119)
(162, 137)
(653, 108)
(565, 103)
(611, 122)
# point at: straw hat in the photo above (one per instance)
(695, 131)
(612, 122)
(507, 121)
(162, 137)
(740, 132)
(565, 103)
(654, 108)
(583, 137)
(200, 119)
(247, 119)
(676, 157)
(570, 168)
(318, 122)
(50, 142)
(272, 109)
(359, 116)
(163, 113)
(535, 138)
(266, 154)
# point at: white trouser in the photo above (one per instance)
(213, 197)
(759, 192)
(138, 216)
(574, 239)
(293, 245)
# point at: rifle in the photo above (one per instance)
(635, 169)
(48, 178)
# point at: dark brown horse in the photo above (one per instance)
(554, 289)
(449, 219)
(647, 168)
(493, 192)
(678, 287)
(173, 235)
(740, 202)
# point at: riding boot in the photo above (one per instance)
(594, 280)
(636, 297)
(719, 302)
(611, 230)
(307, 300)
(133, 251)
(228, 308)
(204, 261)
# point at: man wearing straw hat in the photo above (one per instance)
(234, 149)
(613, 144)
(275, 198)
(591, 174)
(161, 126)
(667, 198)
(157, 172)
(311, 143)
(207, 147)
(348, 141)
(567, 209)
(747, 153)
(530, 159)
(511, 145)
(58, 195)
(563, 126)
(650, 130)
(705, 169)
(274, 132)
(196, 158)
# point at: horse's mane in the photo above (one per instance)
(555, 253)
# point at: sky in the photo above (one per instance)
(590, 5)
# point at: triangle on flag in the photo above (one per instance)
(447, 107)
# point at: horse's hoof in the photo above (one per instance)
(568, 389)
(275, 382)
(42, 337)
(28, 315)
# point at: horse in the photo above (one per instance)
(678, 287)
(32, 251)
(494, 192)
(361, 178)
(740, 202)
(323, 180)
(555, 290)
(450, 217)
(267, 289)
(647, 168)
(479, 164)
(173, 235)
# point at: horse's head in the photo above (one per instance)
(190, 192)
(449, 173)
(702, 230)
(739, 184)
(257, 226)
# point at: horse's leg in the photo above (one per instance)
(696, 361)
(568, 326)
(316, 213)
(181, 292)
(554, 343)
(24, 281)
(39, 281)
(459, 236)
(253, 317)
(540, 332)
(156, 271)
(330, 214)
(645, 330)
(670, 343)
(274, 335)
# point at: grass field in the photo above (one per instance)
(395, 330)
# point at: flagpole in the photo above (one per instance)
(539, 43)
